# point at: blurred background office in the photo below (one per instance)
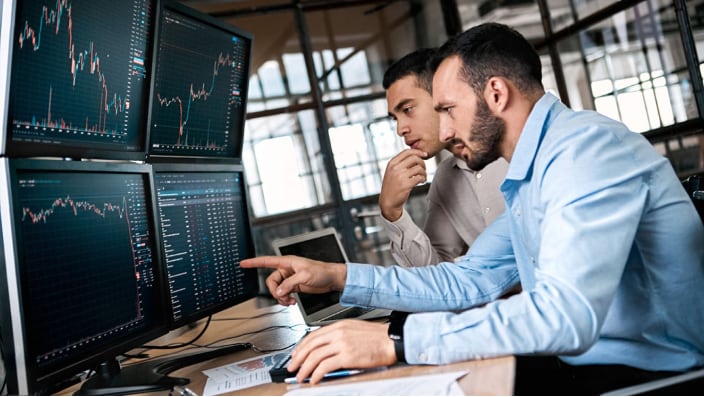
(317, 135)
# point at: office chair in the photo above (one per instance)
(694, 185)
(687, 383)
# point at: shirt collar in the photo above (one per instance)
(462, 164)
(531, 135)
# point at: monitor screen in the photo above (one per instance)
(205, 232)
(79, 85)
(86, 263)
(199, 92)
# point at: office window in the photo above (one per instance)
(631, 67)
(272, 82)
(283, 163)
(522, 15)
(564, 13)
(295, 67)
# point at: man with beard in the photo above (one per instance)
(461, 201)
(598, 230)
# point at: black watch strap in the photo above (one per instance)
(396, 322)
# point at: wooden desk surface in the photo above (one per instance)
(269, 326)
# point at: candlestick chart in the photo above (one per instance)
(200, 74)
(78, 73)
(79, 230)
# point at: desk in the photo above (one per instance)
(254, 320)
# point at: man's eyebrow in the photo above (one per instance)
(438, 107)
(401, 104)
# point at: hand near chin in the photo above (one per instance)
(403, 172)
(351, 344)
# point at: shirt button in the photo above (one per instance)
(532, 260)
(517, 212)
(486, 210)
(423, 358)
(479, 175)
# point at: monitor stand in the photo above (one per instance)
(149, 376)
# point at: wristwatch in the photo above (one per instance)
(396, 321)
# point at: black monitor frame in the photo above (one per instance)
(75, 141)
(24, 375)
(235, 135)
(250, 276)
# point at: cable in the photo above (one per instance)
(285, 309)
(210, 318)
(258, 350)
(214, 344)
(269, 328)
(184, 344)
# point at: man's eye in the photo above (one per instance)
(408, 109)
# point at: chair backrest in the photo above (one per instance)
(694, 185)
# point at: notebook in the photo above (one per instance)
(320, 309)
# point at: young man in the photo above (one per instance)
(461, 202)
(598, 230)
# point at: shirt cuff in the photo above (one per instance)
(398, 231)
(357, 291)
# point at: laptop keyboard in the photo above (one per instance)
(350, 313)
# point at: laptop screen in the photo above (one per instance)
(322, 246)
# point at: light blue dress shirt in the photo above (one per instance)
(604, 240)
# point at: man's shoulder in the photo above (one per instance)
(448, 164)
(447, 170)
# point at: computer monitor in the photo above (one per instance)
(199, 91)
(78, 79)
(205, 232)
(82, 277)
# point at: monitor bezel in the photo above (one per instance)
(66, 150)
(7, 28)
(251, 274)
(237, 135)
(26, 377)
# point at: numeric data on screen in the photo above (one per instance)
(204, 228)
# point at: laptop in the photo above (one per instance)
(320, 309)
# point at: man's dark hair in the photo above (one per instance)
(493, 49)
(413, 64)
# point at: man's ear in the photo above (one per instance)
(497, 94)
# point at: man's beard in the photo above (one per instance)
(485, 134)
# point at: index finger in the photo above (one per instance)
(270, 262)
(412, 153)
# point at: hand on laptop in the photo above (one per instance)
(343, 344)
(297, 274)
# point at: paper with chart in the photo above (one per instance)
(241, 374)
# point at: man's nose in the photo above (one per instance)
(445, 133)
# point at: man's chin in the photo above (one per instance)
(478, 163)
